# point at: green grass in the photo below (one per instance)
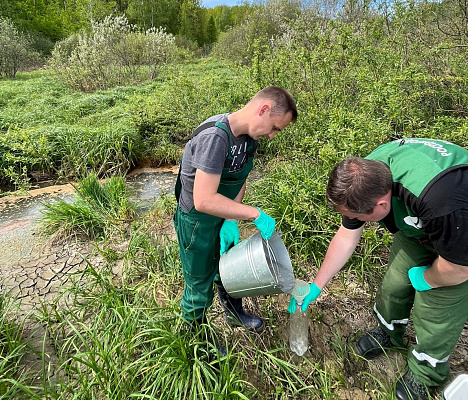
(14, 382)
(97, 209)
(124, 338)
(47, 127)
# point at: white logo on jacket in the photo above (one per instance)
(414, 222)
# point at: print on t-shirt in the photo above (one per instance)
(239, 157)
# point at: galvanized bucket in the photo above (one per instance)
(257, 267)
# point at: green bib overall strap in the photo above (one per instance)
(201, 128)
(231, 182)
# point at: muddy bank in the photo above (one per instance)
(32, 265)
(34, 268)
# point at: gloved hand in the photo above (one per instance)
(265, 224)
(416, 276)
(228, 235)
(314, 292)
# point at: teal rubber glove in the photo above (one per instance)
(265, 224)
(314, 292)
(416, 276)
(228, 235)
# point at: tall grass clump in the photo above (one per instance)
(293, 193)
(97, 209)
(153, 256)
(104, 151)
(113, 343)
(14, 382)
(51, 132)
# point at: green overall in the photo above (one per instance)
(439, 314)
(198, 236)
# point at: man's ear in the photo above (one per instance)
(263, 109)
(385, 202)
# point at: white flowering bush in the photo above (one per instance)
(113, 54)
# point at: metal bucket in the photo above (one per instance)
(257, 267)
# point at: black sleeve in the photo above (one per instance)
(445, 218)
(353, 223)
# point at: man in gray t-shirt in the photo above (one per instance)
(211, 184)
(207, 152)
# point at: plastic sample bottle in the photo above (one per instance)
(298, 321)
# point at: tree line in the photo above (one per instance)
(48, 21)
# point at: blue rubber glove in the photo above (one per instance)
(228, 235)
(314, 292)
(265, 224)
(416, 276)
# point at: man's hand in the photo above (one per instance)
(265, 224)
(228, 235)
(314, 292)
(416, 276)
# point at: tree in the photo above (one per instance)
(191, 23)
(211, 31)
(155, 13)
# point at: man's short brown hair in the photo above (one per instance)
(356, 184)
(284, 102)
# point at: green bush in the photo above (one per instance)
(355, 90)
(166, 119)
(240, 43)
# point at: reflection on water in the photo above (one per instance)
(145, 187)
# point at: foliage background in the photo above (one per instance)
(362, 72)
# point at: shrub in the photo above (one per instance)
(167, 119)
(16, 52)
(114, 53)
(240, 43)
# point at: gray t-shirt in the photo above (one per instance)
(208, 152)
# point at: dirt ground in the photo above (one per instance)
(33, 269)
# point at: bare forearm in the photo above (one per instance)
(207, 200)
(444, 273)
(223, 207)
(340, 250)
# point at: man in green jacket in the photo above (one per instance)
(418, 190)
(211, 184)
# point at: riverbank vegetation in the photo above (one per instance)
(363, 73)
